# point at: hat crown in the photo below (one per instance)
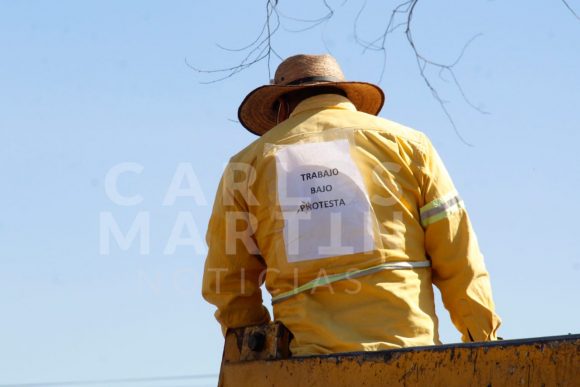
(304, 69)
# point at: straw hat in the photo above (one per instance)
(257, 113)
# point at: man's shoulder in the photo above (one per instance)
(254, 150)
(393, 130)
(386, 128)
(248, 153)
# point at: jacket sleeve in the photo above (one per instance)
(458, 267)
(234, 270)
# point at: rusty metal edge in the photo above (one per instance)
(443, 347)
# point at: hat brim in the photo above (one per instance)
(256, 112)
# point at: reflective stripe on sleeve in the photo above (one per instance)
(440, 208)
(326, 280)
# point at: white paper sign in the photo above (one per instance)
(324, 201)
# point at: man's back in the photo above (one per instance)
(350, 261)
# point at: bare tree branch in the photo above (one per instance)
(262, 48)
(570, 9)
(406, 9)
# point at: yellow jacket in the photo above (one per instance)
(349, 219)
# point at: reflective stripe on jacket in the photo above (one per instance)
(398, 195)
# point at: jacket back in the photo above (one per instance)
(349, 219)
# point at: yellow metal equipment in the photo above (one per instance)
(259, 356)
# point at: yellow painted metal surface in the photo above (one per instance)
(550, 361)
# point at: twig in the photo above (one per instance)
(407, 8)
(262, 48)
(571, 9)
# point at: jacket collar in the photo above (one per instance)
(323, 101)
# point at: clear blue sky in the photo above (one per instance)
(88, 85)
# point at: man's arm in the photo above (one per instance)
(457, 263)
(234, 270)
